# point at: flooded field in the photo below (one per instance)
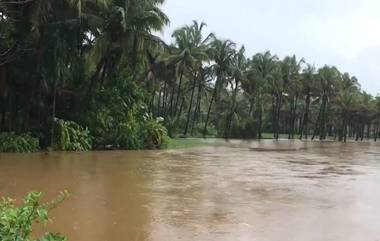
(265, 191)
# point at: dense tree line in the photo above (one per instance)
(97, 63)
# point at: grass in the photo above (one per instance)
(185, 143)
(269, 136)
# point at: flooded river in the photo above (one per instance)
(237, 191)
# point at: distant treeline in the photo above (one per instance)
(96, 64)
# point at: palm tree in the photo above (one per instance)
(124, 35)
(377, 113)
(307, 84)
(290, 68)
(365, 114)
(221, 53)
(261, 72)
(346, 101)
(327, 79)
(198, 47)
(188, 52)
(238, 75)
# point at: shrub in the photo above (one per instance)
(10, 142)
(156, 135)
(16, 222)
(72, 137)
(129, 135)
(246, 129)
(116, 115)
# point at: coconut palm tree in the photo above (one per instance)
(308, 78)
(290, 68)
(238, 76)
(198, 48)
(346, 101)
(327, 80)
(221, 53)
(189, 51)
(377, 114)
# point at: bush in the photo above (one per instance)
(129, 133)
(156, 135)
(118, 117)
(246, 129)
(10, 142)
(16, 222)
(72, 137)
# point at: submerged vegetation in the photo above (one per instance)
(17, 223)
(89, 74)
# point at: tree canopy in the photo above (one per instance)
(98, 64)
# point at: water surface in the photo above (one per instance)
(235, 191)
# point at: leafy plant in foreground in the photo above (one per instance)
(16, 222)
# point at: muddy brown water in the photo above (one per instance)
(314, 191)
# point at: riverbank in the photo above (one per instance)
(185, 143)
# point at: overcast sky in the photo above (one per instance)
(344, 33)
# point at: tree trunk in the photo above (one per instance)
(11, 108)
(274, 114)
(209, 110)
(345, 129)
(134, 58)
(322, 135)
(180, 110)
(260, 124)
(53, 113)
(369, 130)
(159, 102)
(190, 105)
(165, 100)
(278, 113)
(377, 127)
(305, 122)
(152, 102)
(251, 106)
(34, 77)
(294, 116)
(197, 111)
(178, 93)
(343, 126)
(317, 124)
(291, 104)
(231, 114)
(94, 79)
(171, 101)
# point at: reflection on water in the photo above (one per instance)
(236, 191)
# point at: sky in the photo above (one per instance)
(343, 33)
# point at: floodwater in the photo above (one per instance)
(264, 191)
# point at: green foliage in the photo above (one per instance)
(17, 223)
(210, 132)
(10, 142)
(114, 114)
(75, 65)
(117, 117)
(156, 134)
(72, 137)
(244, 129)
(129, 134)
